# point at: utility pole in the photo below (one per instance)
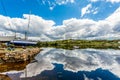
(27, 29)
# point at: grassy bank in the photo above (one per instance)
(70, 44)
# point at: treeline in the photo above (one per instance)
(70, 44)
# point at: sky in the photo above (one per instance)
(61, 19)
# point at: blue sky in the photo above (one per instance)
(57, 19)
(59, 11)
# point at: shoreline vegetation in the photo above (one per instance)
(81, 44)
(14, 53)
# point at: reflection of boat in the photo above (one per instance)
(76, 47)
(6, 38)
(33, 61)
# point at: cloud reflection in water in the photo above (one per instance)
(76, 60)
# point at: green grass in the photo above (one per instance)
(69, 44)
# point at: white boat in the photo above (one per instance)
(76, 47)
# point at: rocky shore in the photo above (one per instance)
(20, 55)
(4, 77)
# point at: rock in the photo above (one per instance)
(17, 56)
(1, 60)
(4, 77)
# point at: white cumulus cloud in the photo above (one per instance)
(38, 26)
(108, 28)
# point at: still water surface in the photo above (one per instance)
(78, 64)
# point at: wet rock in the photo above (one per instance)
(4, 77)
(1, 60)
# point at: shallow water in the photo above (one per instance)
(78, 64)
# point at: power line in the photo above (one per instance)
(4, 9)
(5, 13)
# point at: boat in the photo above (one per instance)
(76, 47)
(23, 42)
